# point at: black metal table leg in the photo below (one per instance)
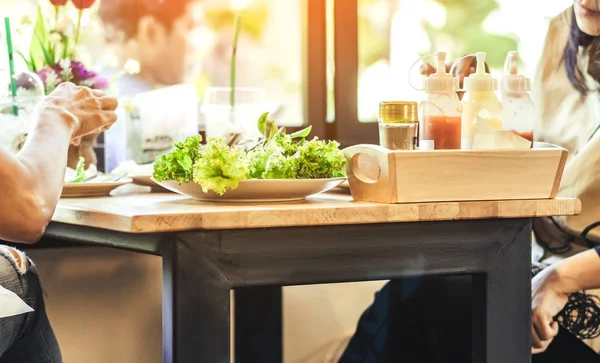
(502, 303)
(258, 325)
(196, 307)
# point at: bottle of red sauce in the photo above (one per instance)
(518, 108)
(440, 126)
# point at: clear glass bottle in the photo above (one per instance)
(519, 111)
(440, 126)
(480, 103)
(398, 125)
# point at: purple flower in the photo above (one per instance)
(77, 73)
(100, 83)
(80, 73)
(43, 74)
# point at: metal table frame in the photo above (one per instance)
(201, 267)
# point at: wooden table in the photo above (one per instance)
(209, 249)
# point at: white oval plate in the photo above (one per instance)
(143, 180)
(147, 181)
(345, 185)
(258, 190)
(76, 190)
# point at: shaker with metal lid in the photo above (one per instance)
(398, 125)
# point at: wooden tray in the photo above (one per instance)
(377, 174)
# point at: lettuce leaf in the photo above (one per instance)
(280, 166)
(259, 157)
(220, 167)
(320, 159)
(178, 165)
(284, 158)
(79, 171)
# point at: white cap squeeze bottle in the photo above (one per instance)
(480, 103)
(441, 111)
(519, 111)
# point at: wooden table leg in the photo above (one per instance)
(196, 307)
(258, 325)
(502, 306)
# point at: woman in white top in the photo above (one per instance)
(428, 323)
(30, 184)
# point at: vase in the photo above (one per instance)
(86, 150)
(222, 120)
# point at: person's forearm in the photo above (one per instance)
(32, 182)
(45, 152)
(579, 272)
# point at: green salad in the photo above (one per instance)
(218, 167)
(79, 172)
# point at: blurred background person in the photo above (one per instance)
(160, 35)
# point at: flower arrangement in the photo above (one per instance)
(56, 54)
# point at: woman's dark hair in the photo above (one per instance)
(125, 15)
(577, 39)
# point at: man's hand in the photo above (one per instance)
(86, 111)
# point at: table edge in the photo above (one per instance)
(244, 219)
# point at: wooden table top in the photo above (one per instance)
(137, 211)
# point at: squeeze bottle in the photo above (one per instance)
(441, 111)
(519, 112)
(480, 103)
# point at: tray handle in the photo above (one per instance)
(364, 173)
